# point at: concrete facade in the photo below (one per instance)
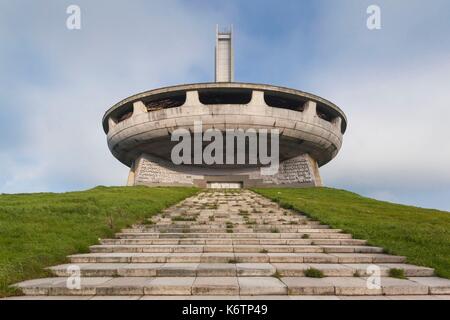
(153, 171)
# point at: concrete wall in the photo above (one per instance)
(144, 96)
(152, 171)
(320, 138)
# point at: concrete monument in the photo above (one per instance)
(140, 130)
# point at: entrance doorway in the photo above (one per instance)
(224, 185)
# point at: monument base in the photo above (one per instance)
(301, 171)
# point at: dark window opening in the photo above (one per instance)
(225, 97)
(125, 113)
(165, 103)
(325, 114)
(284, 102)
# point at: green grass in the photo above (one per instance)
(183, 218)
(277, 275)
(422, 235)
(397, 273)
(313, 273)
(39, 230)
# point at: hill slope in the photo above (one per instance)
(422, 235)
(39, 230)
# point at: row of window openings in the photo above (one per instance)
(211, 98)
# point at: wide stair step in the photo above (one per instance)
(238, 241)
(259, 235)
(266, 248)
(230, 286)
(240, 257)
(230, 269)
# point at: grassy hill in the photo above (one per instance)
(39, 230)
(422, 235)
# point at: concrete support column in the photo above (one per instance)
(337, 123)
(258, 98)
(315, 171)
(192, 99)
(310, 108)
(131, 176)
(139, 107)
(111, 123)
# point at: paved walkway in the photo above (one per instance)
(235, 245)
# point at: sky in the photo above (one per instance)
(392, 83)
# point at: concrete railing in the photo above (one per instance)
(192, 100)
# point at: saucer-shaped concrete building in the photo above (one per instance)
(139, 129)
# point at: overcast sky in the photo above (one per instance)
(393, 83)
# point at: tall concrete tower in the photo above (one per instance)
(224, 55)
(140, 130)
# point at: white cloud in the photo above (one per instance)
(398, 131)
(55, 85)
(393, 86)
(117, 53)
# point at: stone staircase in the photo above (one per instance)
(232, 244)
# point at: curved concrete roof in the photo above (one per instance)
(222, 85)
